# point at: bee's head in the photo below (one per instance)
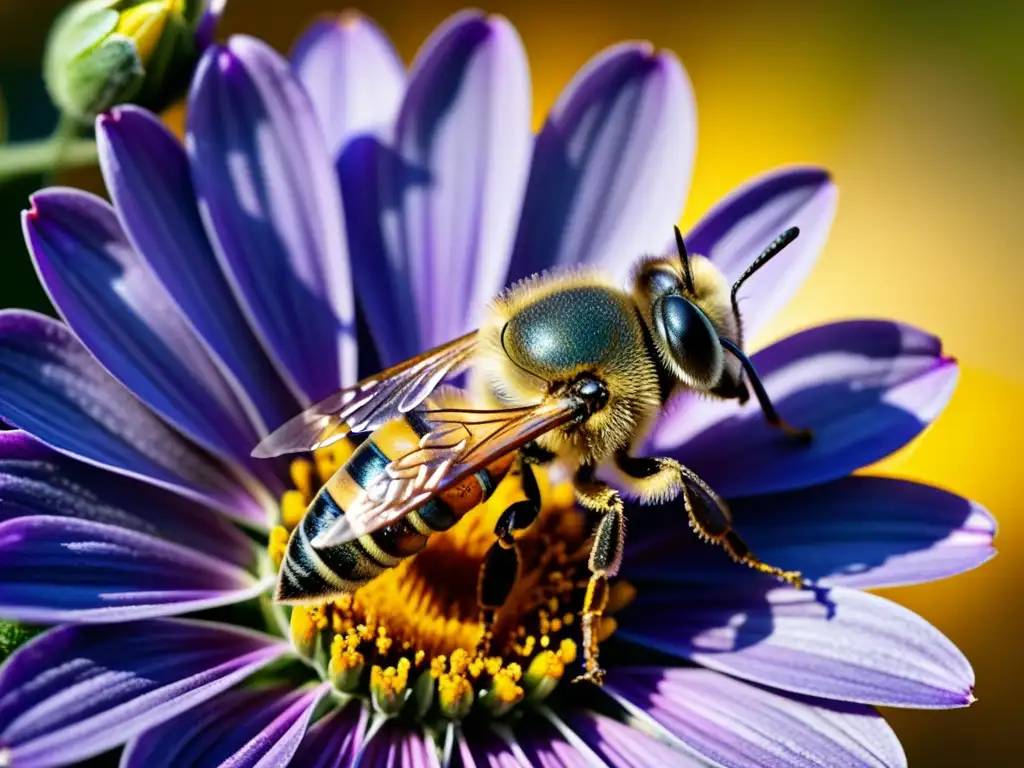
(693, 317)
(685, 302)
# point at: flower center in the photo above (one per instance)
(415, 632)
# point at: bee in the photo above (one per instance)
(567, 367)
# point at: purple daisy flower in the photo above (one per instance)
(214, 299)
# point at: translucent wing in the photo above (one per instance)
(459, 444)
(370, 403)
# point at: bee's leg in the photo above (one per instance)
(532, 453)
(662, 479)
(501, 564)
(736, 388)
(605, 559)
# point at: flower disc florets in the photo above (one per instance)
(413, 636)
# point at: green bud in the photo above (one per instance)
(106, 52)
(12, 637)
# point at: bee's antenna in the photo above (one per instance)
(767, 407)
(767, 254)
(685, 258)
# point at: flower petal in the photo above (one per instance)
(35, 480)
(737, 725)
(397, 745)
(483, 748)
(862, 532)
(334, 740)
(208, 22)
(866, 388)
(624, 746)
(270, 200)
(59, 569)
(740, 226)
(76, 691)
(149, 180)
(612, 165)
(353, 75)
(51, 387)
(836, 644)
(126, 319)
(462, 140)
(549, 742)
(239, 728)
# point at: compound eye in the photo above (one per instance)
(661, 282)
(690, 337)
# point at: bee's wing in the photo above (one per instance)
(372, 402)
(460, 443)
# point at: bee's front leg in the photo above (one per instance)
(664, 479)
(501, 563)
(605, 559)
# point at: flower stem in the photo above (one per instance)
(57, 152)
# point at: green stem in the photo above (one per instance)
(52, 153)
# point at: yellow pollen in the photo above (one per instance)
(506, 687)
(437, 665)
(293, 507)
(455, 695)
(567, 651)
(547, 664)
(390, 682)
(305, 628)
(301, 471)
(418, 660)
(278, 545)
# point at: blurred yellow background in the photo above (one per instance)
(918, 110)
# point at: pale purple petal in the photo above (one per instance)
(77, 691)
(737, 725)
(837, 644)
(269, 197)
(353, 75)
(275, 744)
(52, 388)
(735, 231)
(149, 180)
(35, 480)
(238, 729)
(59, 569)
(554, 744)
(126, 319)
(866, 388)
(396, 744)
(334, 740)
(483, 748)
(624, 746)
(462, 142)
(612, 165)
(863, 532)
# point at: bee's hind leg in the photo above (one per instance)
(605, 559)
(501, 563)
(664, 479)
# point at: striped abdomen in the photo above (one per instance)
(313, 575)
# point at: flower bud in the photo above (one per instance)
(106, 52)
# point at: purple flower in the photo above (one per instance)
(238, 278)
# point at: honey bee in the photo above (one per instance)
(566, 367)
